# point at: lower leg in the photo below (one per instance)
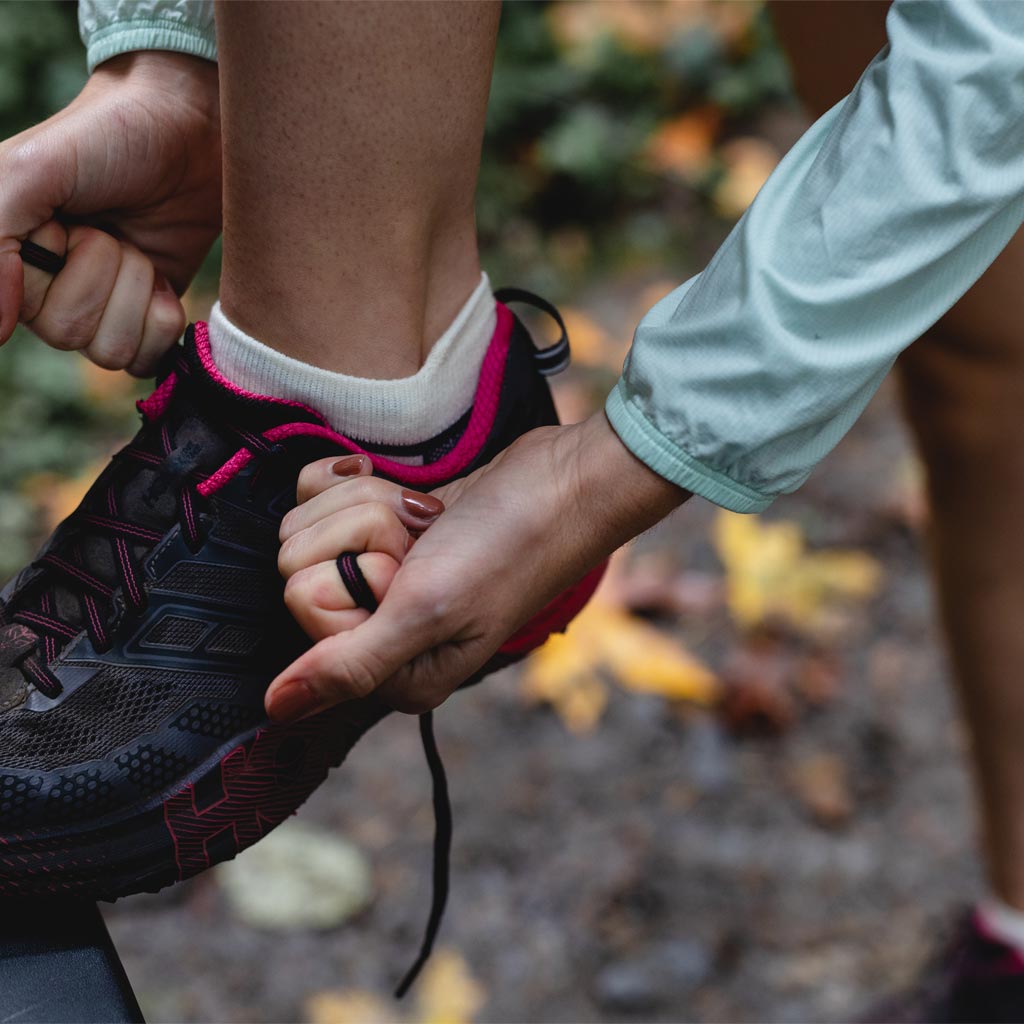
(352, 135)
(964, 387)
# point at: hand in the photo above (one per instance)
(137, 153)
(513, 535)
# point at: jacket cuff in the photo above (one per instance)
(149, 34)
(667, 459)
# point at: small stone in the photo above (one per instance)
(297, 877)
(660, 976)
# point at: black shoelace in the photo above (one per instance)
(361, 592)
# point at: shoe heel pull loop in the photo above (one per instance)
(554, 358)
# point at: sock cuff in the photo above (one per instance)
(402, 411)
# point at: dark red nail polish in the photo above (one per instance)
(161, 284)
(351, 465)
(423, 506)
(293, 700)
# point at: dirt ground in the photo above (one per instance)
(659, 867)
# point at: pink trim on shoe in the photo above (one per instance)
(481, 419)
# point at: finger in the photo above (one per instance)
(318, 476)
(165, 321)
(54, 237)
(11, 283)
(119, 332)
(75, 301)
(369, 527)
(32, 182)
(321, 603)
(415, 510)
(400, 645)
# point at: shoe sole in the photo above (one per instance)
(241, 793)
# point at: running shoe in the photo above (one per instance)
(974, 979)
(135, 651)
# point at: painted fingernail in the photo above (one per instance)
(293, 700)
(351, 465)
(423, 506)
(161, 284)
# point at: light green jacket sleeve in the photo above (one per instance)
(871, 228)
(110, 27)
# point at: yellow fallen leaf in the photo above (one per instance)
(354, 1006)
(562, 675)
(770, 574)
(447, 993)
(604, 638)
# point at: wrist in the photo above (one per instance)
(618, 495)
(180, 75)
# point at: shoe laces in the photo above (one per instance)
(33, 632)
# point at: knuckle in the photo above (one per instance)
(103, 247)
(287, 562)
(167, 320)
(113, 354)
(304, 590)
(380, 514)
(306, 484)
(67, 330)
(415, 703)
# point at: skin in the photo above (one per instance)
(360, 228)
(138, 153)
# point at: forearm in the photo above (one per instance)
(876, 222)
(112, 27)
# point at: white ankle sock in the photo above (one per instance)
(405, 411)
(1003, 922)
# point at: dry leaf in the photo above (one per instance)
(567, 671)
(756, 698)
(820, 782)
(771, 576)
(447, 993)
(356, 1006)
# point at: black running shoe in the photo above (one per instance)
(136, 649)
(974, 979)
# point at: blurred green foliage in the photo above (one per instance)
(585, 97)
(42, 62)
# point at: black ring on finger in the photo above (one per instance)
(355, 582)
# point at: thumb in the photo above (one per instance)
(352, 664)
(28, 198)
